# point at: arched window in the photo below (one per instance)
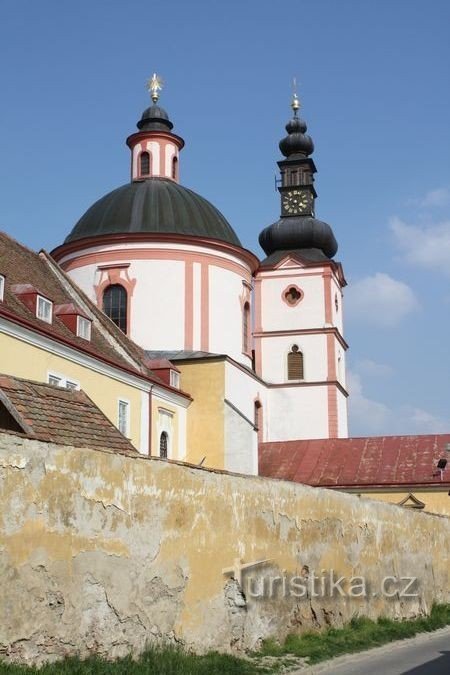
(295, 364)
(163, 444)
(246, 328)
(175, 168)
(144, 160)
(115, 305)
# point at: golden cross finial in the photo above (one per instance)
(295, 105)
(154, 85)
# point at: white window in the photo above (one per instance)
(84, 328)
(61, 381)
(124, 417)
(44, 309)
(2, 287)
(174, 379)
(54, 380)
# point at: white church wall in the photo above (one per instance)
(297, 413)
(308, 313)
(342, 415)
(225, 311)
(157, 305)
(242, 390)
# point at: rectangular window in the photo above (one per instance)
(54, 380)
(44, 309)
(123, 421)
(61, 381)
(174, 379)
(2, 287)
(84, 328)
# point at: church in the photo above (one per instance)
(257, 344)
(166, 329)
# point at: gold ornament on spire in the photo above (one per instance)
(295, 105)
(154, 85)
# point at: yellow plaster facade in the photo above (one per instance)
(20, 359)
(206, 415)
(165, 417)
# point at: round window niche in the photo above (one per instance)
(292, 295)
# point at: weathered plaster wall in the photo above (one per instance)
(102, 552)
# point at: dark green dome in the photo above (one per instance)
(155, 205)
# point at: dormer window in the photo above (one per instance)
(174, 379)
(84, 328)
(44, 309)
(2, 287)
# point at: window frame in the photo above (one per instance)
(42, 301)
(2, 287)
(120, 403)
(164, 434)
(174, 379)
(122, 320)
(88, 323)
(147, 155)
(62, 381)
(300, 352)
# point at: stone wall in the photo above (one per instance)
(102, 552)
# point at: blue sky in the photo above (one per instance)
(374, 89)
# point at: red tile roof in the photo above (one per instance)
(353, 462)
(58, 415)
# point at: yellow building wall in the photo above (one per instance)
(20, 359)
(435, 502)
(205, 382)
(157, 405)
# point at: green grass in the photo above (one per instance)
(358, 635)
(155, 661)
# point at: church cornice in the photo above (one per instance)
(139, 237)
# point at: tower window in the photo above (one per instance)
(163, 445)
(144, 160)
(295, 364)
(175, 168)
(246, 328)
(293, 295)
(115, 301)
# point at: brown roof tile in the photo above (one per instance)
(59, 415)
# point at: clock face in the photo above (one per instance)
(296, 201)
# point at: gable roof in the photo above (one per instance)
(23, 267)
(375, 461)
(57, 415)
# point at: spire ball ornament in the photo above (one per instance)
(154, 86)
(295, 105)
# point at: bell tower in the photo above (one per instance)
(299, 344)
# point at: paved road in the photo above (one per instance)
(427, 654)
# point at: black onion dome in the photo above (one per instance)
(154, 118)
(155, 205)
(297, 142)
(302, 233)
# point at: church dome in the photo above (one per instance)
(157, 206)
